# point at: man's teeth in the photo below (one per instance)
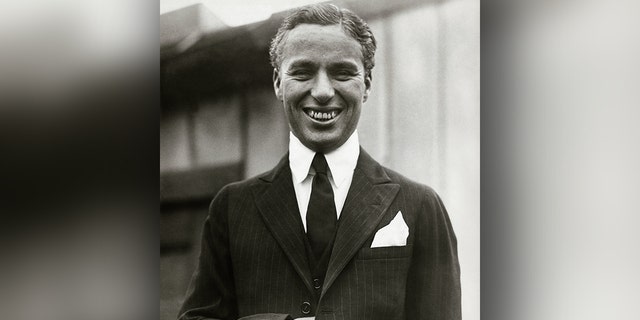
(322, 115)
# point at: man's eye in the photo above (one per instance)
(344, 75)
(300, 74)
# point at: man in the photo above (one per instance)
(328, 233)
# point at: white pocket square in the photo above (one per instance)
(392, 235)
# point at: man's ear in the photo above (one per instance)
(367, 87)
(276, 84)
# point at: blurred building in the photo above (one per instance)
(221, 121)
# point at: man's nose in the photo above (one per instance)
(322, 89)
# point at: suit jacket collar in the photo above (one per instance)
(370, 195)
(276, 201)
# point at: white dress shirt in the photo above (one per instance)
(341, 161)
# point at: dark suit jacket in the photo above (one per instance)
(253, 259)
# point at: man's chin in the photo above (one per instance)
(323, 145)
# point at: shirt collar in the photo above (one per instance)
(342, 161)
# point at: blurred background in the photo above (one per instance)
(221, 122)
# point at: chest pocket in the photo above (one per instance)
(382, 253)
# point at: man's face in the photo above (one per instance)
(322, 84)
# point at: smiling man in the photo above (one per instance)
(320, 77)
(328, 233)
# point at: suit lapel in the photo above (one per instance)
(276, 201)
(369, 196)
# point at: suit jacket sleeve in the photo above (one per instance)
(211, 292)
(433, 286)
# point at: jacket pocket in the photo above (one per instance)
(396, 252)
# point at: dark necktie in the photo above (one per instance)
(321, 213)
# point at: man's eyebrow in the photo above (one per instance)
(344, 65)
(334, 65)
(302, 64)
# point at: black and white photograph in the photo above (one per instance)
(320, 160)
(306, 159)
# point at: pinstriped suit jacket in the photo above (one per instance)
(253, 261)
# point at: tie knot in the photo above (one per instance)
(319, 163)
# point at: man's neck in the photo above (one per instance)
(341, 161)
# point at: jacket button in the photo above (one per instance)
(317, 284)
(305, 307)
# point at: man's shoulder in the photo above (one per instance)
(242, 186)
(416, 193)
(234, 192)
(246, 184)
(408, 184)
(373, 168)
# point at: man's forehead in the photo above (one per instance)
(319, 34)
(318, 41)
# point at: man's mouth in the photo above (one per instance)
(321, 115)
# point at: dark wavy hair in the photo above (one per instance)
(326, 14)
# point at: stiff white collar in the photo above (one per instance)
(342, 161)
